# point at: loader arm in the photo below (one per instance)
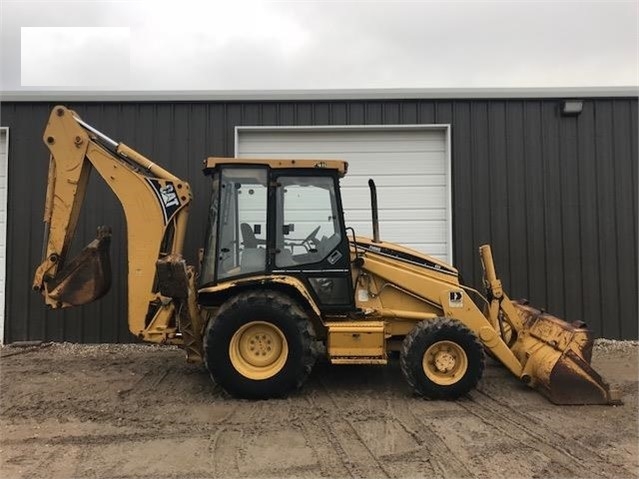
(155, 205)
(555, 354)
(401, 286)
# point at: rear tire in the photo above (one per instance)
(259, 345)
(442, 359)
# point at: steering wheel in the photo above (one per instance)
(310, 242)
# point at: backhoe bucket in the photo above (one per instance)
(87, 277)
(556, 357)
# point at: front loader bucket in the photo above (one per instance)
(87, 277)
(556, 357)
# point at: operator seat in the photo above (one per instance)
(248, 237)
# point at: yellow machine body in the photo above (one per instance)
(403, 300)
(359, 342)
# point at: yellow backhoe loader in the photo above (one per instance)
(282, 280)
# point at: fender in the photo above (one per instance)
(214, 295)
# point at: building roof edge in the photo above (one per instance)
(317, 95)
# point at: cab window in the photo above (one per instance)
(242, 222)
(307, 223)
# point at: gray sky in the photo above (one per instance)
(184, 45)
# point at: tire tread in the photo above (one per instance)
(290, 309)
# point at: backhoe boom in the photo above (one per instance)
(155, 204)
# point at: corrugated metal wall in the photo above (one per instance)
(556, 196)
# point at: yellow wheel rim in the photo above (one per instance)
(445, 363)
(258, 350)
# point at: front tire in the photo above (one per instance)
(442, 359)
(259, 345)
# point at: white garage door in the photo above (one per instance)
(4, 159)
(410, 165)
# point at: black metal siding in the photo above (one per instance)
(556, 196)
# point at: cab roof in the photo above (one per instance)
(341, 166)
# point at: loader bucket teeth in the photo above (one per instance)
(557, 358)
(85, 278)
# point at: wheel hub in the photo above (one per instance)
(445, 362)
(260, 347)
(258, 350)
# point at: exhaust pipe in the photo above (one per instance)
(371, 185)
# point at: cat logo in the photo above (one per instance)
(456, 299)
(169, 198)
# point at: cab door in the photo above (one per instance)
(310, 238)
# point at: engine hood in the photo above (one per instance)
(402, 253)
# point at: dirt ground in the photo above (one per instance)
(135, 411)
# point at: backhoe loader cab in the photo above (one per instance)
(281, 282)
(279, 218)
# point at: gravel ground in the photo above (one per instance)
(602, 346)
(605, 346)
(140, 411)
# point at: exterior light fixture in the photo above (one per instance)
(571, 107)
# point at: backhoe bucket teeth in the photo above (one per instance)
(557, 357)
(87, 277)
